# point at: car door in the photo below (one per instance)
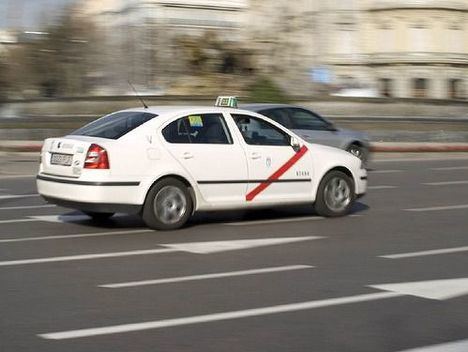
(204, 147)
(277, 172)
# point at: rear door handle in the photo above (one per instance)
(255, 155)
(187, 155)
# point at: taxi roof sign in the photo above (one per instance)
(226, 102)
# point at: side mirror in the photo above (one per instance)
(295, 144)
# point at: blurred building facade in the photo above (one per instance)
(404, 48)
(397, 48)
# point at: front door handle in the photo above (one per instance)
(255, 155)
(187, 155)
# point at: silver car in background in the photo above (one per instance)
(314, 128)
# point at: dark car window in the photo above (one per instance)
(305, 120)
(198, 129)
(279, 115)
(258, 132)
(115, 125)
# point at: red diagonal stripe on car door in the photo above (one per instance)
(277, 174)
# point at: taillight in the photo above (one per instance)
(96, 158)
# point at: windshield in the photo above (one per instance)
(114, 126)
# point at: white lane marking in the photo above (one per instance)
(456, 346)
(448, 207)
(223, 246)
(438, 290)
(385, 171)
(6, 177)
(273, 221)
(61, 218)
(192, 247)
(66, 218)
(29, 207)
(434, 289)
(447, 183)
(65, 237)
(381, 187)
(13, 221)
(15, 196)
(207, 276)
(86, 256)
(453, 168)
(159, 324)
(426, 253)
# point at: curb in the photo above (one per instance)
(379, 147)
(418, 147)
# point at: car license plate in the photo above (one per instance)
(61, 159)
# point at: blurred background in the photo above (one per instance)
(393, 57)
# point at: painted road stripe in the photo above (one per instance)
(456, 346)
(285, 220)
(425, 253)
(6, 177)
(273, 221)
(14, 221)
(207, 276)
(447, 183)
(277, 174)
(66, 237)
(159, 324)
(434, 289)
(448, 207)
(206, 247)
(381, 187)
(29, 207)
(15, 196)
(454, 168)
(385, 171)
(87, 257)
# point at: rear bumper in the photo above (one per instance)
(97, 196)
(95, 207)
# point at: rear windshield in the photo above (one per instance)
(115, 125)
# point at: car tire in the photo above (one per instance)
(335, 195)
(97, 216)
(358, 151)
(168, 205)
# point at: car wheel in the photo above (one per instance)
(96, 216)
(358, 151)
(335, 195)
(168, 205)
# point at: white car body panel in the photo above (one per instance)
(141, 157)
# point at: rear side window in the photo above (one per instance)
(198, 129)
(115, 125)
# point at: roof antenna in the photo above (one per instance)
(136, 94)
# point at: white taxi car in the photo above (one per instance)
(166, 163)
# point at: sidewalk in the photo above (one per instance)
(379, 147)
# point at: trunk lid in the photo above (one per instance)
(64, 156)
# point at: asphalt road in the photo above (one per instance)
(280, 280)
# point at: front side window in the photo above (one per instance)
(278, 115)
(259, 132)
(198, 129)
(305, 120)
(115, 125)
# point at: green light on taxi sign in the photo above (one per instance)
(226, 102)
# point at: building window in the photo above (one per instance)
(420, 86)
(386, 87)
(455, 87)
